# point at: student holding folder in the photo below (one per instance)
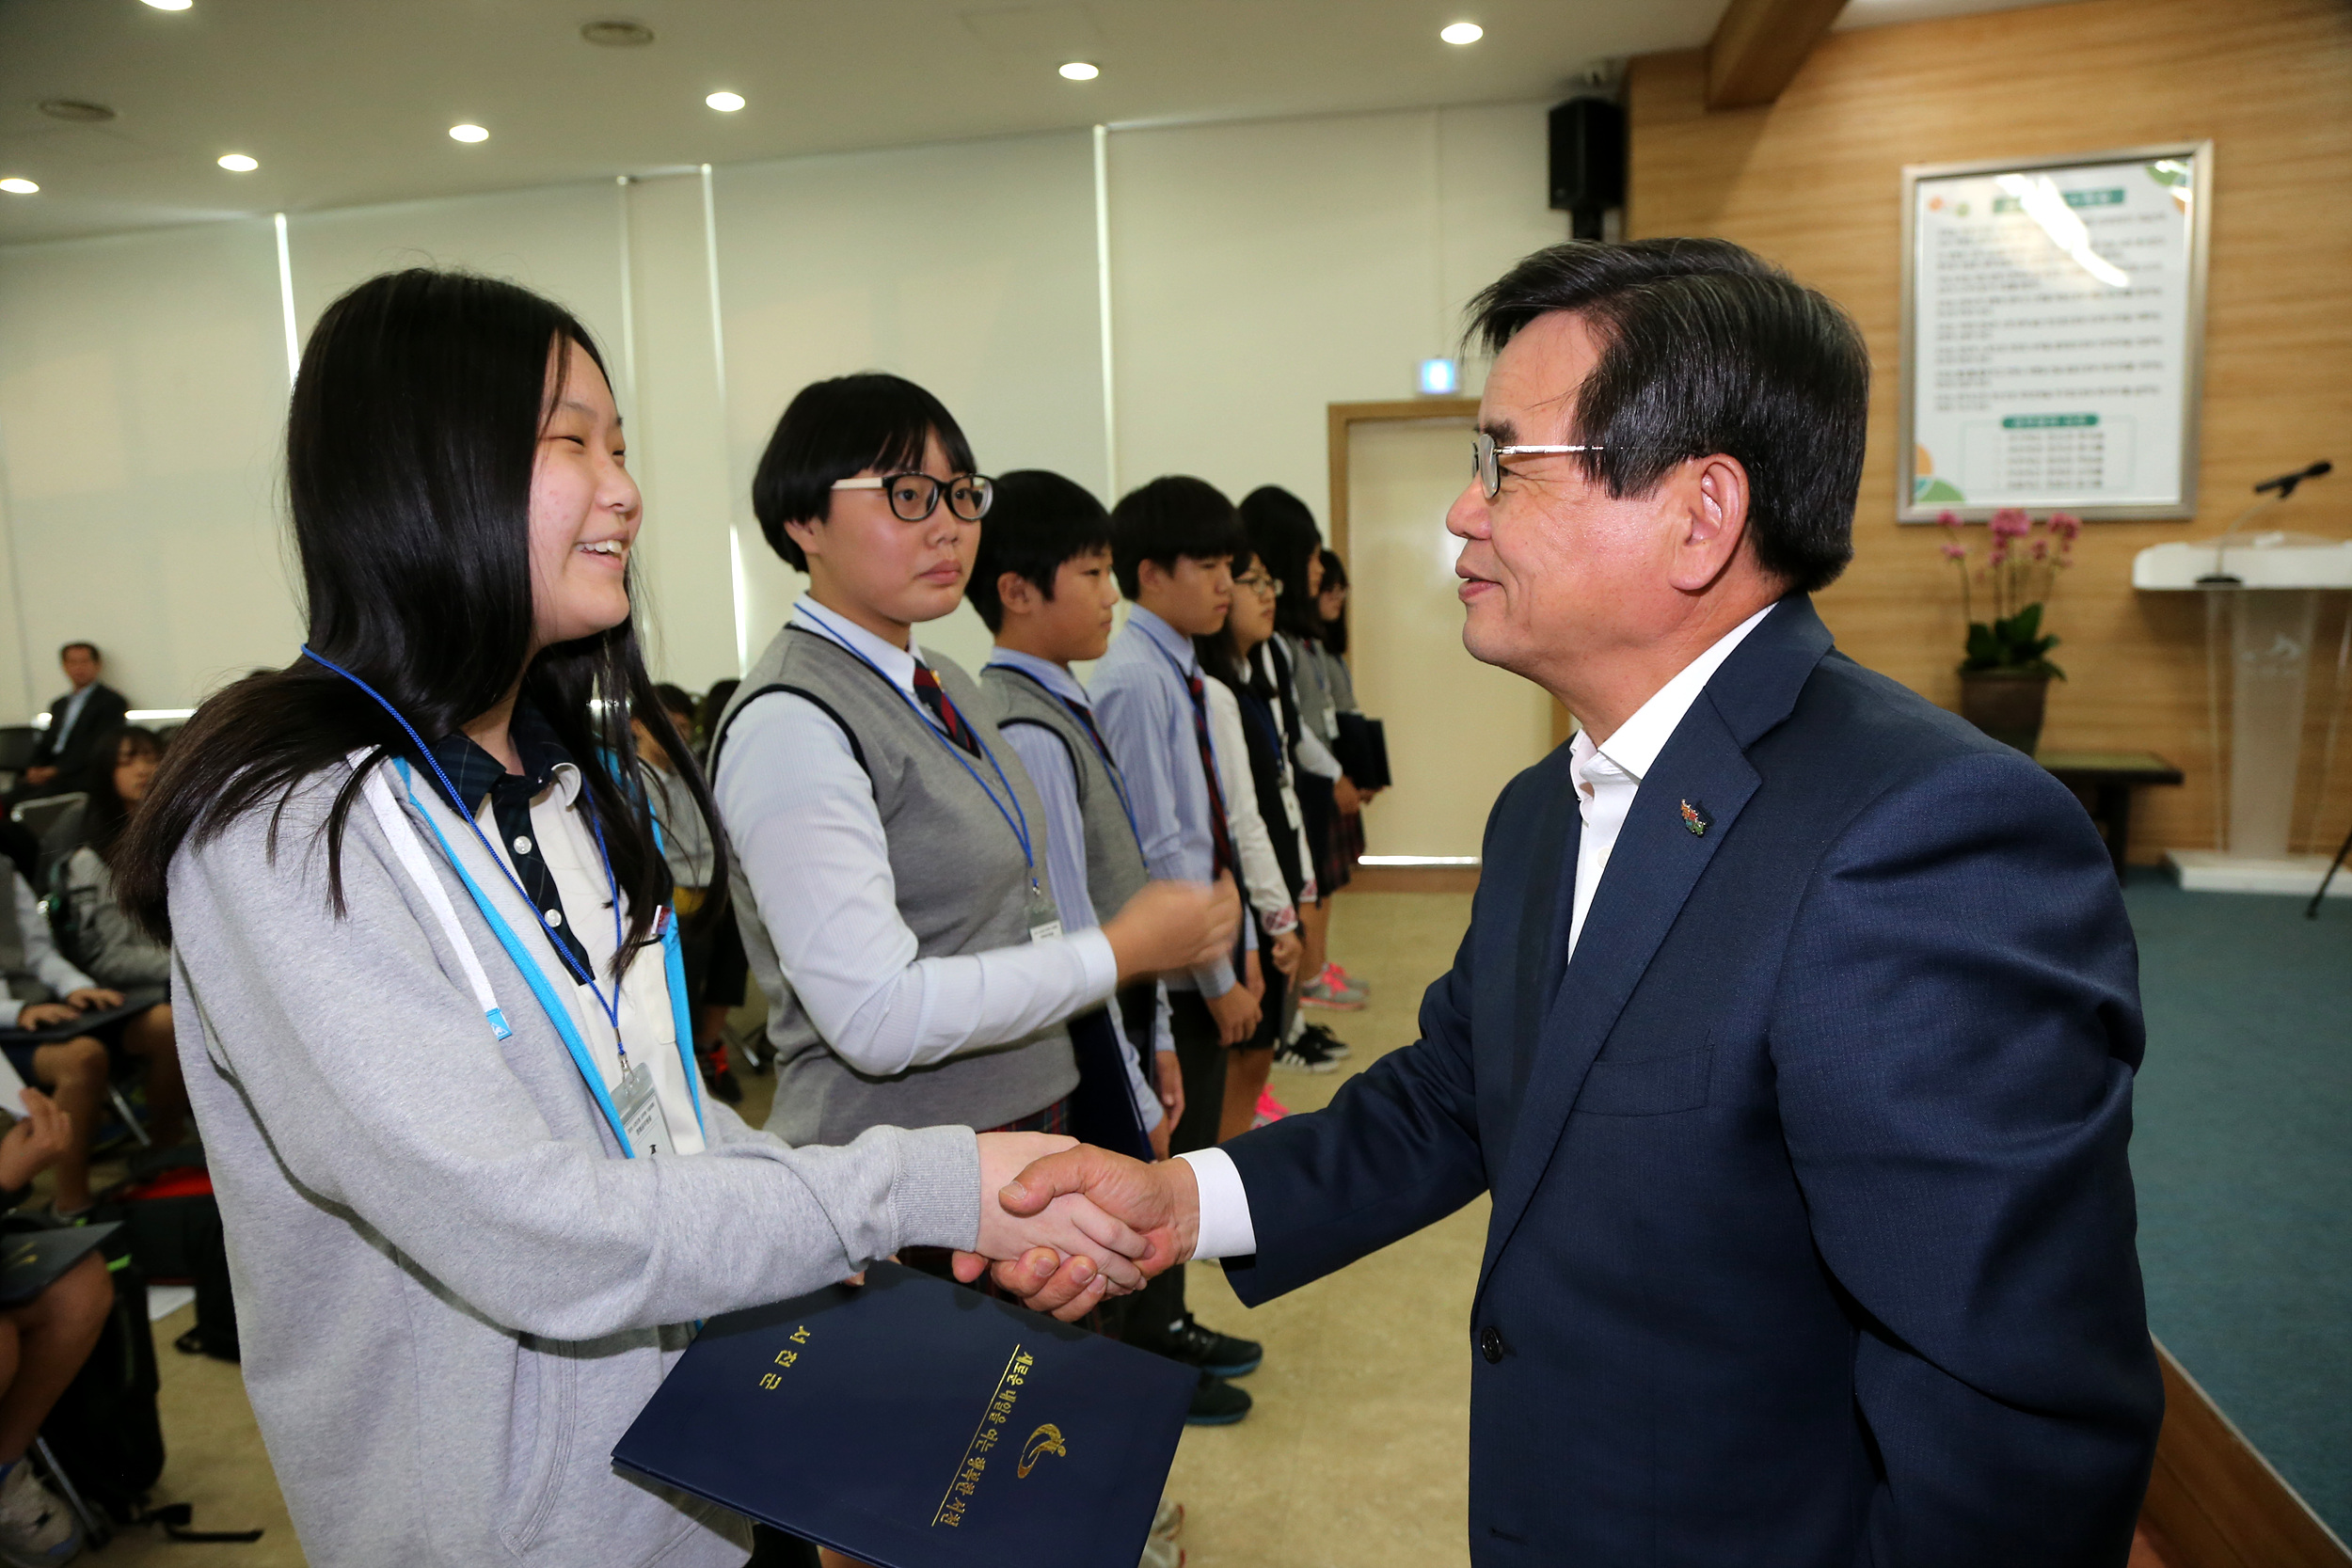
(432, 1013)
(892, 874)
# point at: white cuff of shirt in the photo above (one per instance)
(1101, 965)
(1225, 1227)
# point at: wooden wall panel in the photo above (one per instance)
(1814, 181)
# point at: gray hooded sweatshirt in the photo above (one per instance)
(453, 1292)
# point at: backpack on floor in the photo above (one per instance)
(173, 1226)
(104, 1430)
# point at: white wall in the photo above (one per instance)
(1259, 272)
(967, 268)
(1263, 271)
(142, 404)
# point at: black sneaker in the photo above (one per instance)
(1303, 1055)
(1333, 1048)
(1217, 1403)
(1219, 1353)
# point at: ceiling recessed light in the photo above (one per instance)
(1462, 32)
(18, 187)
(79, 110)
(615, 35)
(1078, 71)
(237, 163)
(725, 102)
(171, 5)
(469, 132)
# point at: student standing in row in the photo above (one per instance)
(430, 1006)
(891, 879)
(1043, 584)
(1172, 545)
(1264, 809)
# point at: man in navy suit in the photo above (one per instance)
(1795, 1031)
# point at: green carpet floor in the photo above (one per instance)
(2243, 1152)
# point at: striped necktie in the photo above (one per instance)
(934, 697)
(1220, 834)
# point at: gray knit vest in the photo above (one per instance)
(963, 887)
(22, 983)
(1115, 868)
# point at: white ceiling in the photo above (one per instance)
(349, 101)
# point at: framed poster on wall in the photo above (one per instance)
(2054, 324)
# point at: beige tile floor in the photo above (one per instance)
(1353, 1456)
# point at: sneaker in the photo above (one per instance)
(1158, 1553)
(1215, 1403)
(1169, 1523)
(1341, 980)
(1300, 1056)
(1325, 1043)
(1269, 1109)
(36, 1528)
(1319, 992)
(1219, 1353)
(720, 1084)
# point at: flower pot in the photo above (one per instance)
(2004, 705)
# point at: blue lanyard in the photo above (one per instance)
(1118, 785)
(1017, 820)
(549, 1002)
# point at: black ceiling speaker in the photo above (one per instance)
(1587, 161)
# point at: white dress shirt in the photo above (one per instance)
(1607, 776)
(648, 1022)
(801, 816)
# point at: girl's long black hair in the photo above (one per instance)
(1282, 531)
(104, 817)
(414, 432)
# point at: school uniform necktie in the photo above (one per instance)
(934, 697)
(1220, 832)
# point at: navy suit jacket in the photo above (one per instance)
(1812, 1240)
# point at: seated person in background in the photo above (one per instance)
(43, 1343)
(74, 1069)
(686, 846)
(109, 945)
(61, 756)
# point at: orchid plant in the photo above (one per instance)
(2020, 571)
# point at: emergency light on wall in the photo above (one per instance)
(1439, 379)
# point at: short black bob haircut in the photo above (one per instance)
(1173, 517)
(92, 648)
(1038, 521)
(833, 429)
(1706, 348)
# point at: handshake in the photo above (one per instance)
(1067, 1224)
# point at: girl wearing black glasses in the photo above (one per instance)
(890, 865)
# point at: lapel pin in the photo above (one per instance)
(1692, 820)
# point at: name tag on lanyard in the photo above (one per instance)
(639, 1107)
(1044, 919)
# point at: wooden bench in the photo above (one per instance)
(2104, 781)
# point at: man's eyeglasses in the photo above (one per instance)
(1261, 584)
(1486, 459)
(916, 496)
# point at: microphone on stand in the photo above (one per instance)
(2285, 484)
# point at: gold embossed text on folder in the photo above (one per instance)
(974, 1464)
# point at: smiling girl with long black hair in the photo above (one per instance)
(431, 1011)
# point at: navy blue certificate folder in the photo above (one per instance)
(912, 1424)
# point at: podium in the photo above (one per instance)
(2260, 629)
